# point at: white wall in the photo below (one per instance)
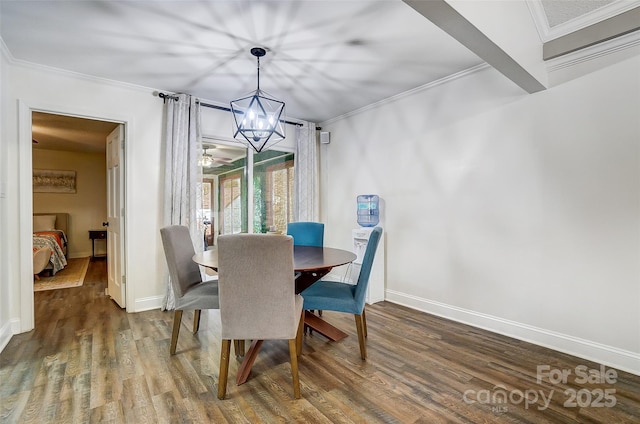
(5, 316)
(514, 212)
(47, 89)
(87, 207)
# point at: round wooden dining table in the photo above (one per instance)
(311, 264)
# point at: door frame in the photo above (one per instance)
(25, 196)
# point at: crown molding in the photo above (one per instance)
(6, 52)
(411, 92)
(77, 75)
(596, 51)
(547, 33)
(539, 18)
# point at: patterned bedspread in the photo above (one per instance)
(59, 236)
(58, 261)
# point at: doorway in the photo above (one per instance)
(54, 128)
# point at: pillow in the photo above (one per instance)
(44, 222)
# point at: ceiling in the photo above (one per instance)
(324, 58)
(59, 132)
(560, 12)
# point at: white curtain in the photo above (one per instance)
(183, 175)
(307, 196)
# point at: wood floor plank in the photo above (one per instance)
(109, 413)
(12, 407)
(169, 408)
(34, 407)
(135, 395)
(129, 363)
(88, 361)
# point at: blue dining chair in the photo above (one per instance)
(347, 298)
(306, 233)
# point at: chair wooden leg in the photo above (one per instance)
(364, 321)
(300, 334)
(359, 326)
(196, 321)
(294, 368)
(225, 349)
(238, 347)
(177, 317)
(306, 328)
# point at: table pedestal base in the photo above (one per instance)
(321, 326)
(313, 321)
(249, 358)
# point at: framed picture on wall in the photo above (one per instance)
(54, 181)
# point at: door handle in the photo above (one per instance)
(105, 224)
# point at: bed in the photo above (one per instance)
(50, 231)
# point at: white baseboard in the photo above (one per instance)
(7, 331)
(147, 303)
(586, 349)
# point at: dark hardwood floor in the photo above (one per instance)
(89, 361)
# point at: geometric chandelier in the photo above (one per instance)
(258, 118)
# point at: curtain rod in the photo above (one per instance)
(165, 96)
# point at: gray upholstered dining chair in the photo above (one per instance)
(348, 298)
(257, 296)
(190, 291)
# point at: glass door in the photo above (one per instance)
(272, 191)
(224, 190)
(236, 181)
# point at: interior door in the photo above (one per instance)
(115, 195)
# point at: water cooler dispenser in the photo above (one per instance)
(368, 216)
(375, 292)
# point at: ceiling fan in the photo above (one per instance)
(209, 161)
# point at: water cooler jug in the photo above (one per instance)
(368, 210)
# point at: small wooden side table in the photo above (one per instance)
(96, 235)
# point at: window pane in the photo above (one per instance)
(273, 190)
(226, 170)
(231, 204)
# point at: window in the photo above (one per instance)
(271, 195)
(231, 204)
(272, 191)
(206, 212)
(226, 172)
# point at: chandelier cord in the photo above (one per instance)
(258, 57)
